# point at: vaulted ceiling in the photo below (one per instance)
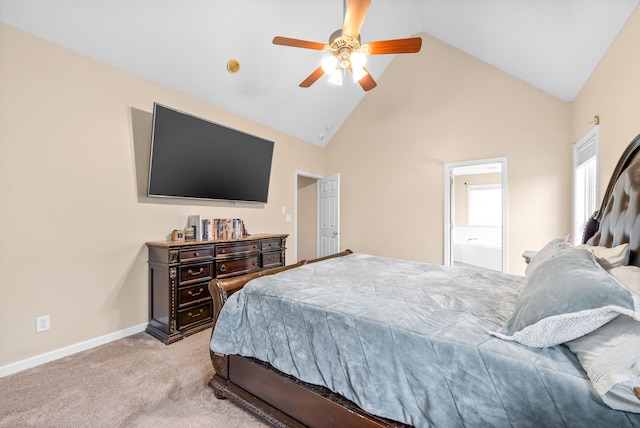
(185, 45)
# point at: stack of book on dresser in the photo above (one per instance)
(223, 228)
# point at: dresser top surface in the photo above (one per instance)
(185, 243)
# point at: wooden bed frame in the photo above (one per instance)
(283, 400)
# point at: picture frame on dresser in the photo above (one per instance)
(179, 273)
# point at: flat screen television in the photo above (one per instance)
(198, 159)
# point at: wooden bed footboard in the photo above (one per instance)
(285, 401)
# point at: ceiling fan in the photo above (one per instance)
(347, 50)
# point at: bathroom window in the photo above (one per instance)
(585, 182)
(484, 205)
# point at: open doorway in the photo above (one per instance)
(306, 216)
(317, 216)
(475, 214)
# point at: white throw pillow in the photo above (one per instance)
(629, 276)
(609, 257)
(611, 357)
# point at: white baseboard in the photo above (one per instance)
(69, 350)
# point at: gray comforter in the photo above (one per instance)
(409, 341)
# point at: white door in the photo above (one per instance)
(329, 215)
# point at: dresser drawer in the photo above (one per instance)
(194, 314)
(195, 272)
(271, 244)
(193, 254)
(273, 259)
(192, 294)
(238, 249)
(239, 266)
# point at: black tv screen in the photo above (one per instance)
(195, 158)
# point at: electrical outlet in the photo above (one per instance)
(43, 323)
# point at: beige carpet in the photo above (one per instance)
(132, 382)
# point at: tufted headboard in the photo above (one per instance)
(618, 220)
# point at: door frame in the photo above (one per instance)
(448, 223)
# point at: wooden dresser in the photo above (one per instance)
(179, 274)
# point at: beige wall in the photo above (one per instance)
(612, 92)
(74, 147)
(441, 106)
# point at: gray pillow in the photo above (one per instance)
(549, 250)
(565, 297)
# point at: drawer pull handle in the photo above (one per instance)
(196, 315)
(222, 251)
(190, 293)
(223, 268)
(255, 262)
(196, 254)
(195, 273)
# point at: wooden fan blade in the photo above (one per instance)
(354, 17)
(297, 43)
(383, 47)
(367, 82)
(312, 78)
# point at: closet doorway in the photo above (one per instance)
(475, 214)
(306, 216)
(317, 216)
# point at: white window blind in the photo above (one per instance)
(485, 205)
(585, 190)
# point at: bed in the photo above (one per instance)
(360, 340)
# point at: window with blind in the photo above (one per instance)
(585, 182)
(484, 205)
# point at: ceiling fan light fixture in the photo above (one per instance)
(329, 64)
(336, 77)
(358, 60)
(344, 57)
